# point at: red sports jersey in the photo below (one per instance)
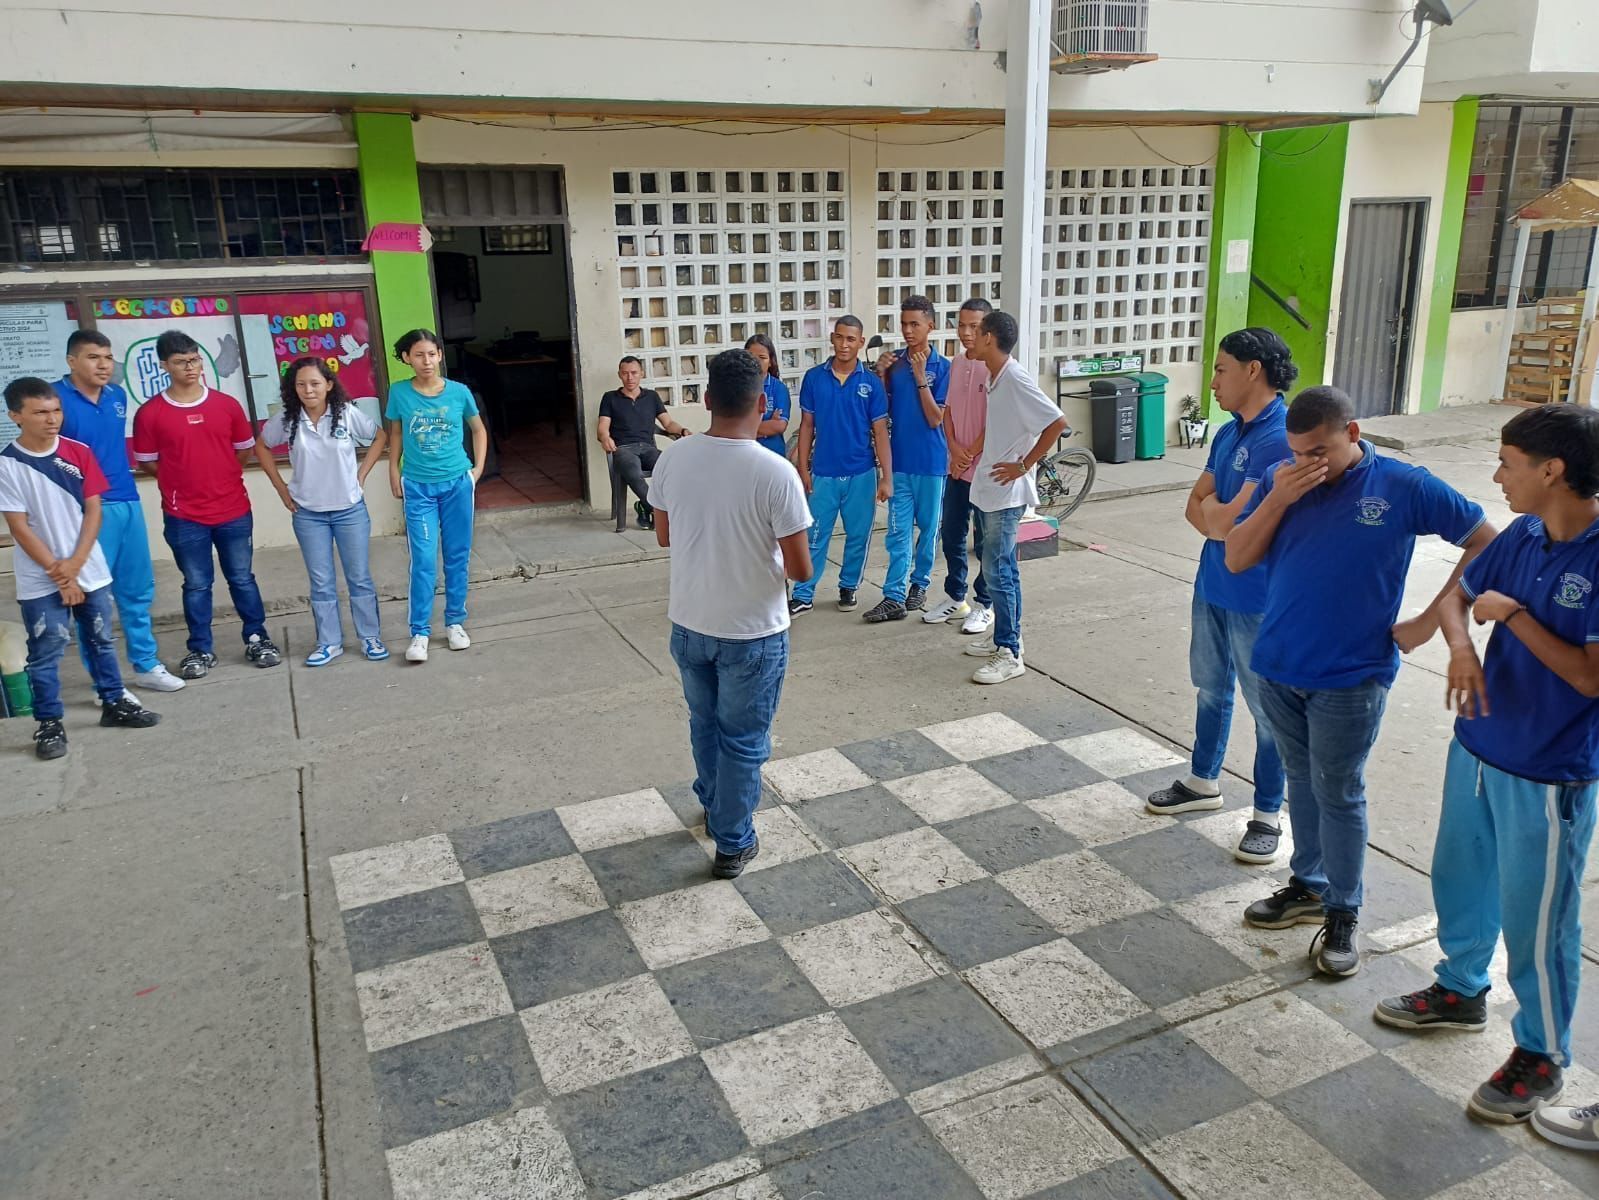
(195, 448)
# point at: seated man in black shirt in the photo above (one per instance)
(629, 417)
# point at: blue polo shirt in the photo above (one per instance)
(1239, 454)
(1335, 573)
(776, 405)
(916, 447)
(102, 427)
(844, 413)
(1538, 726)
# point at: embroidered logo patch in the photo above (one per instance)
(121, 409)
(69, 468)
(864, 391)
(1370, 510)
(1572, 591)
(1241, 459)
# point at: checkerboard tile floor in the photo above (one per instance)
(966, 964)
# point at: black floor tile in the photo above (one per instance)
(902, 1161)
(1008, 837)
(452, 1079)
(739, 992)
(1138, 1083)
(408, 926)
(651, 867)
(1174, 862)
(849, 818)
(977, 922)
(1036, 771)
(514, 842)
(566, 958)
(896, 756)
(1159, 957)
(1124, 1180)
(807, 892)
(929, 1033)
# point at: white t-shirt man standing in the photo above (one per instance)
(735, 517)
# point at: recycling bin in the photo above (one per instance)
(1151, 439)
(1113, 403)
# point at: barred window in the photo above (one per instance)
(61, 217)
(1521, 151)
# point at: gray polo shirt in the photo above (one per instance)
(323, 459)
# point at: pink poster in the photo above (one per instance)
(280, 327)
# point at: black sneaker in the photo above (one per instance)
(1293, 905)
(126, 713)
(731, 866)
(644, 515)
(49, 740)
(797, 606)
(1336, 947)
(884, 610)
(916, 598)
(1179, 798)
(1259, 843)
(1435, 1007)
(846, 599)
(262, 652)
(196, 663)
(1517, 1089)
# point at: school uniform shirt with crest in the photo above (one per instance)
(50, 489)
(195, 448)
(844, 412)
(916, 447)
(103, 427)
(1335, 573)
(1537, 726)
(323, 457)
(1240, 454)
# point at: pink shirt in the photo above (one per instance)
(967, 405)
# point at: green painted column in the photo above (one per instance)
(1296, 238)
(390, 192)
(1451, 216)
(1232, 221)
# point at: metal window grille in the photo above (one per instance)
(61, 217)
(707, 258)
(1520, 152)
(1101, 26)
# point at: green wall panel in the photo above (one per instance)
(1227, 293)
(390, 192)
(1451, 215)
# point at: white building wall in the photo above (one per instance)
(1401, 158)
(1473, 373)
(1271, 56)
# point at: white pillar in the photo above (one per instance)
(1512, 297)
(1590, 301)
(1027, 54)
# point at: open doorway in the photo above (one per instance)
(505, 314)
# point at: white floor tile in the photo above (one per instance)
(1117, 752)
(807, 776)
(1219, 914)
(857, 958)
(368, 876)
(557, 889)
(604, 1034)
(1078, 891)
(420, 996)
(984, 736)
(1254, 1154)
(948, 793)
(518, 1156)
(617, 819)
(1523, 1177)
(1097, 814)
(691, 923)
(906, 865)
(1277, 1042)
(1054, 993)
(796, 1077)
(1025, 1138)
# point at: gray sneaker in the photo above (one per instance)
(1573, 1128)
(1336, 947)
(915, 598)
(1518, 1089)
(884, 610)
(1293, 905)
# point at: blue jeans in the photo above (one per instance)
(47, 620)
(996, 534)
(1218, 656)
(1509, 858)
(438, 516)
(959, 520)
(915, 508)
(351, 529)
(192, 544)
(732, 689)
(126, 547)
(854, 497)
(1324, 736)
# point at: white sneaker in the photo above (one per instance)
(417, 651)
(130, 697)
(158, 679)
(979, 620)
(984, 647)
(457, 637)
(947, 611)
(1001, 665)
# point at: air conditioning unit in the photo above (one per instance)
(1094, 36)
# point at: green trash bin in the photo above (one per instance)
(1151, 439)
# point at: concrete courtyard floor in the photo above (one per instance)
(446, 931)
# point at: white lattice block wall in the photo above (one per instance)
(709, 257)
(1126, 252)
(1125, 255)
(938, 235)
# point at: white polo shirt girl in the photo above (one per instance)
(323, 457)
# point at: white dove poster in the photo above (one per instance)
(134, 323)
(280, 327)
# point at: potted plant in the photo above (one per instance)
(1191, 420)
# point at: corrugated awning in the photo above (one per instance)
(1572, 205)
(113, 131)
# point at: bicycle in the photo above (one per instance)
(1064, 480)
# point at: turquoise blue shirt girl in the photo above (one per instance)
(432, 430)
